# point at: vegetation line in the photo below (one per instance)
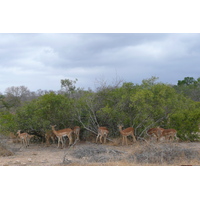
(141, 106)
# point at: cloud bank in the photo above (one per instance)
(40, 61)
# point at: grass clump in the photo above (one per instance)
(164, 154)
(96, 153)
(142, 154)
(88, 151)
(4, 151)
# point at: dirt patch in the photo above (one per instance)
(89, 154)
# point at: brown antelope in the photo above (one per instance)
(14, 138)
(76, 131)
(61, 133)
(126, 132)
(102, 132)
(50, 135)
(155, 132)
(23, 137)
(168, 134)
(29, 138)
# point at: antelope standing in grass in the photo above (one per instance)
(50, 135)
(169, 134)
(14, 138)
(155, 132)
(126, 132)
(76, 131)
(102, 132)
(61, 133)
(29, 138)
(23, 137)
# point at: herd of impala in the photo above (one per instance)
(158, 132)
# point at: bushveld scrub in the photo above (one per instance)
(141, 106)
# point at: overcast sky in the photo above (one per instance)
(40, 61)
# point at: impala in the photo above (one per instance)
(126, 132)
(29, 138)
(168, 134)
(76, 131)
(50, 135)
(102, 132)
(14, 138)
(61, 133)
(155, 132)
(23, 137)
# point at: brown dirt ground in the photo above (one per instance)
(41, 155)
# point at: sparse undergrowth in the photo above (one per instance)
(111, 154)
(138, 154)
(97, 153)
(160, 154)
(4, 151)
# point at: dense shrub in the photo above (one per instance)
(143, 106)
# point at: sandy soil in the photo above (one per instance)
(34, 155)
(41, 155)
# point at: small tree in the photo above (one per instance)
(187, 81)
(189, 87)
(68, 86)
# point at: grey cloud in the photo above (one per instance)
(133, 57)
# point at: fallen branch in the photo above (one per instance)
(66, 152)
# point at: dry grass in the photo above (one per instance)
(164, 154)
(144, 154)
(110, 154)
(4, 151)
(92, 154)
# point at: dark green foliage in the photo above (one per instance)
(49, 109)
(187, 122)
(189, 87)
(143, 106)
(187, 81)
